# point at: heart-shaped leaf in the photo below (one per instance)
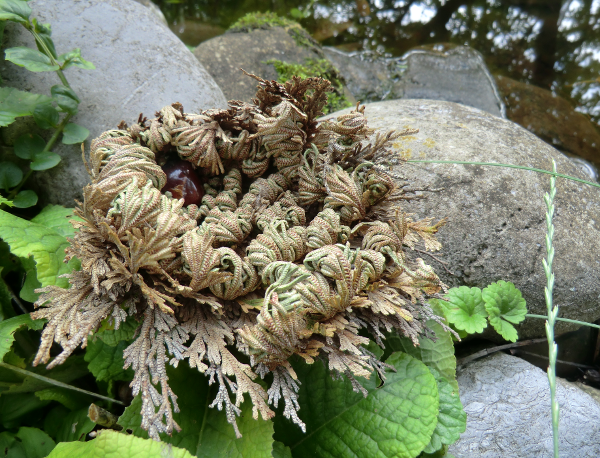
(32, 59)
(45, 160)
(28, 145)
(25, 199)
(10, 175)
(504, 304)
(74, 133)
(465, 309)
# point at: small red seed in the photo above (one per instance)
(183, 182)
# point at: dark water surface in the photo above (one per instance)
(553, 44)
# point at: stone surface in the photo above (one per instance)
(456, 75)
(140, 67)
(550, 117)
(507, 401)
(223, 56)
(497, 225)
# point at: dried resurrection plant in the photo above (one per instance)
(297, 245)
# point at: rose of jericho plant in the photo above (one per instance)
(297, 246)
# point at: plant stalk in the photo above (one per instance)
(566, 320)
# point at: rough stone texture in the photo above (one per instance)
(457, 75)
(140, 67)
(507, 401)
(369, 79)
(550, 117)
(496, 215)
(223, 56)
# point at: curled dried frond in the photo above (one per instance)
(296, 262)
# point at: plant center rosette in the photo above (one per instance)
(296, 243)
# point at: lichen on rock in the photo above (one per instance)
(298, 245)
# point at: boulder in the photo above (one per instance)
(496, 215)
(140, 67)
(550, 117)
(507, 401)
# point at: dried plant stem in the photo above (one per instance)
(552, 309)
(56, 382)
(103, 417)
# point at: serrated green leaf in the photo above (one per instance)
(46, 245)
(14, 10)
(112, 337)
(205, 431)
(10, 175)
(56, 217)
(74, 58)
(31, 282)
(46, 116)
(32, 59)
(66, 98)
(111, 444)
(74, 133)
(465, 309)
(504, 304)
(28, 145)
(106, 362)
(66, 426)
(280, 450)
(395, 420)
(4, 200)
(10, 326)
(15, 103)
(452, 419)
(25, 199)
(45, 160)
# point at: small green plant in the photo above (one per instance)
(470, 309)
(49, 112)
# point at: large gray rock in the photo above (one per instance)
(497, 225)
(141, 66)
(507, 401)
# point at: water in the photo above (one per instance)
(554, 44)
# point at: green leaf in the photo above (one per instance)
(8, 261)
(46, 116)
(15, 103)
(106, 362)
(10, 326)
(74, 58)
(72, 400)
(56, 217)
(28, 145)
(505, 305)
(45, 244)
(26, 443)
(73, 369)
(14, 10)
(66, 98)
(67, 426)
(74, 133)
(6, 309)
(465, 309)
(25, 199)
(111, 444)
(452, 419)
(44, 33)
(395, 420)
(280, 450)
(45, 160)
(112, 337)
(205, 431)
(10, 175)
(4, 200)
(31, 283)
(13, 407)
(32, 59)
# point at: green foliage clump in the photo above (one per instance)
(258, 20)
(469, 309)
(322, 68)
(52, 112)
